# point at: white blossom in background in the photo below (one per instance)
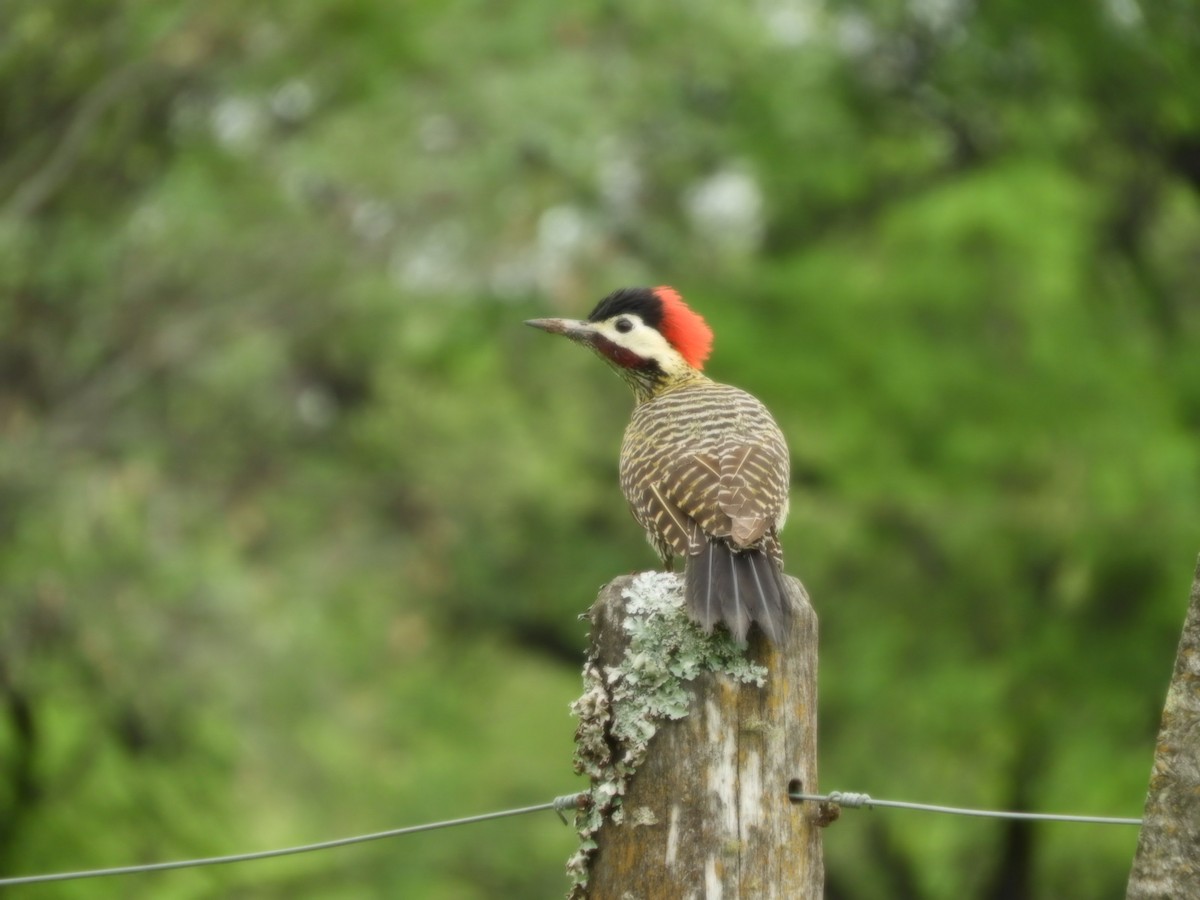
(435, 262)
(316, 408)
(791, 23)
(562, 230)
(619, 178)
(238, 124)
(564, 234)
(293, 101)
(939, 15)
(372, 220)
(727, 210)
(855, 34)
(1124, 13)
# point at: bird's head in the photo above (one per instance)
(649, 335)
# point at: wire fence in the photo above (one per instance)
(840, 799)
(850, 800)
(559, 805)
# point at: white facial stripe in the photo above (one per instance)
(643, 340)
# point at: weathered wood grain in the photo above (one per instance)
(1167, 861)
(706, 815)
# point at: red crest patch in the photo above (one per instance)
(684, 328)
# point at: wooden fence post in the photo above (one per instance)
(691, 758)
(1167, 861)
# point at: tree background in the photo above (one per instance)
(296, 518)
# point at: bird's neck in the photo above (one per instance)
(648, 383)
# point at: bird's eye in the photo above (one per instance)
(624, 325)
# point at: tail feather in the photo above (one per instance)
(705, 583)
(711, 611)
(733, 603)
(737, 589)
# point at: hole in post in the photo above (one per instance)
(795, 786)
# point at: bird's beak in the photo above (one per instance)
(574, 329)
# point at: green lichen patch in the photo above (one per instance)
(623, 706)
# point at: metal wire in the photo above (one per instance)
(567, 801)
(847, 799)
(851, 800)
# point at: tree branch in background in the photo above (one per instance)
(40, 187)
(18, 769)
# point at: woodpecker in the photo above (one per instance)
(704, 466)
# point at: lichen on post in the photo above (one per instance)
(690, 741)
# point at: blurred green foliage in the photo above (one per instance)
(296, 518)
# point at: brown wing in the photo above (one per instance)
(672, 525)
(749, 491)
(733, 494)
(693, 485)
(706, 460)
